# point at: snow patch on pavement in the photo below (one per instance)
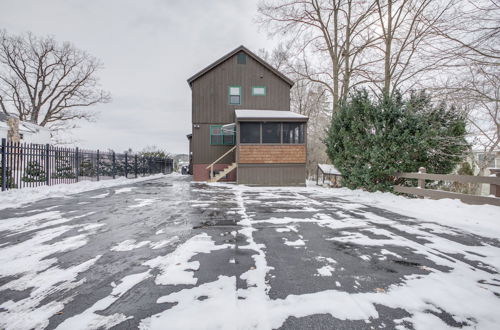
(89, 319)
(19, 197)
(129, 245)
(106, 194)
(132, 244)
(142, 202)
(175, 268)
(123, 190)
(326, 270)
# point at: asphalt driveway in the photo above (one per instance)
(170, 254)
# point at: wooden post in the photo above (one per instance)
(421, 182)
(495, 188)
(317, 175)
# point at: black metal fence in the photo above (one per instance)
(31, 165)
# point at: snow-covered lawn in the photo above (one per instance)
(293, 258)
(19, 197)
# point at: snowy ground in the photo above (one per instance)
(167, 254)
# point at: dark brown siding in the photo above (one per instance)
(203, 152)
(272, 175)
(210, 91)
(270, 154)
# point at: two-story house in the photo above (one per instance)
(242, 126)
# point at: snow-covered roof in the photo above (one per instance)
(328, 169)
(268, 114)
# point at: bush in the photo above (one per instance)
(370, 140)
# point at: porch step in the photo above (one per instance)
(223, 173)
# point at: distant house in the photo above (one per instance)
(242, 126)
(27, 132)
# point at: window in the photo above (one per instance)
(490, 161)
(234, 95)
(271, 133)
(249, 132)
(259, 90)
(293, 133)
(218, 136)
(241, 58)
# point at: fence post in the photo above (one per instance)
(77, 165)
(126, 165)
(114, 166)
(494, 188)
(421, 182)
(135, 165)
(4, 164)
(97, 166)
(47, 165)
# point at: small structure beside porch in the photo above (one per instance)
(328, 171)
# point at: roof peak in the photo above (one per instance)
(234, 52)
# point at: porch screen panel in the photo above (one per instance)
(271, 133)
(249, 132)
(293, 133)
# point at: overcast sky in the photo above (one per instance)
(149, 49)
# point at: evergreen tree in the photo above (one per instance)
(33, 172)
(87, 168)
(370, 140)
(64, 170)
(9, 182)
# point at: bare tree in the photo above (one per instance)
(471, 46)
(327, 40)
(309, 99)
(47, 83)
(407, 34)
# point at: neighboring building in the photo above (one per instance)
(23, 131)
(241, 112)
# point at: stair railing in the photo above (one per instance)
(211, 166)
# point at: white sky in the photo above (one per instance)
(149, 49)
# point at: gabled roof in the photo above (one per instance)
(234, 52)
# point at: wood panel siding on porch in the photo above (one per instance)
(272, 154)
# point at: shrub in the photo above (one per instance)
(370, 140)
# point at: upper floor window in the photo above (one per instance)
(259, 90)
(234, 94)
(219, 136)
(241, 58)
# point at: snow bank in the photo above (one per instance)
(19, 197)
(482, 220)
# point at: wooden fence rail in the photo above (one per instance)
(422, 176)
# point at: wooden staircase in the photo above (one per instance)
(220, 175)
(223, 173)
